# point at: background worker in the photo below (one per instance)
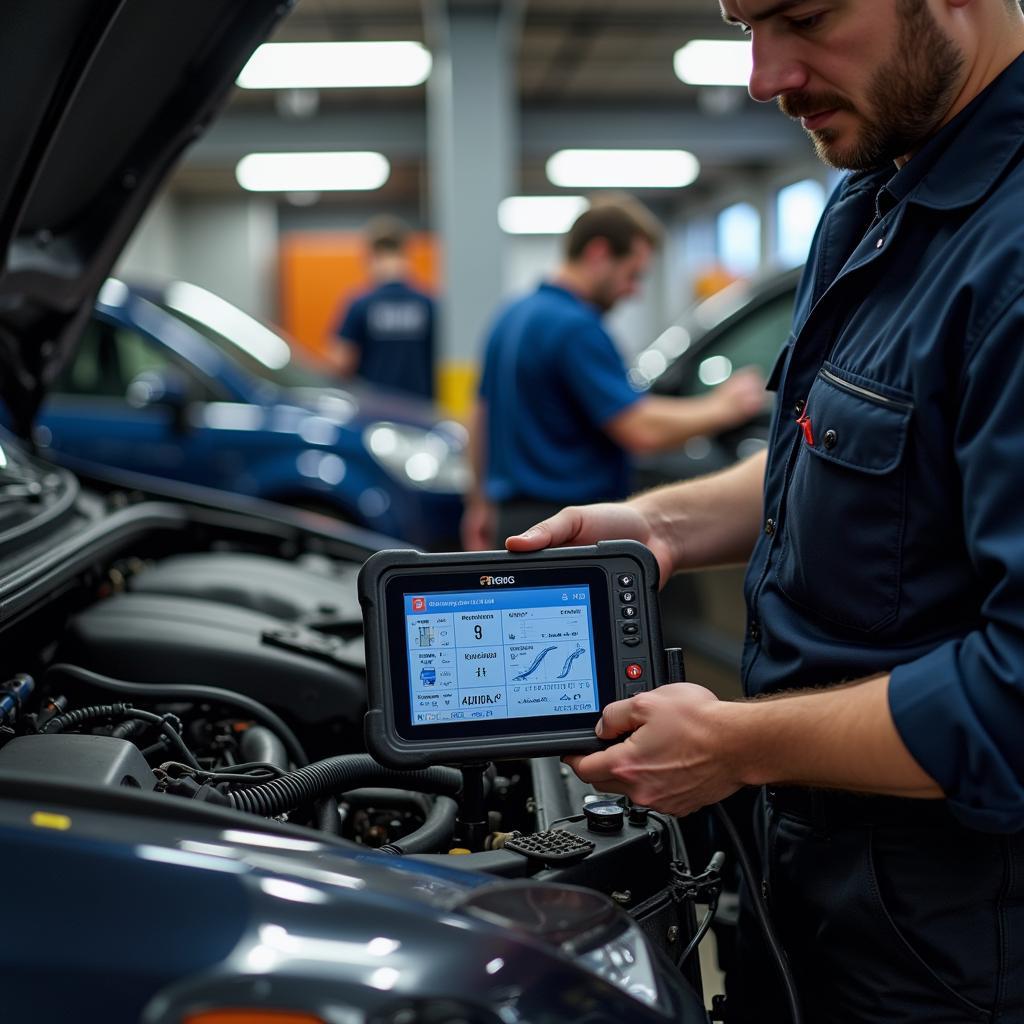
(557, 418)
(885, 584)
(386, 336)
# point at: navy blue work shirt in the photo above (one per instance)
(894, 509)
(393, 327)
(552, 379)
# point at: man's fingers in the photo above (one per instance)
(620, 717)
(560, 529)
(596, 769)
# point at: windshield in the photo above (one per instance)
(240, 337)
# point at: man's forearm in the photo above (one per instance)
(713, 520)
(840, 738)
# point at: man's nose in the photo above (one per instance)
(776, 71)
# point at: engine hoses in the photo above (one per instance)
(337, 775)
(433, 834)
(189, 691)
(71, 719)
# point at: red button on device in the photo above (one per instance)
(634, 671)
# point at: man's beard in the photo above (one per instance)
(908, 96)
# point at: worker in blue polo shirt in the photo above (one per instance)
(557, 417)
(386, 335)
(884, 530)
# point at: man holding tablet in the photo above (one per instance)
(882, 531)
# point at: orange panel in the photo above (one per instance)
(320, 272)
(251, 1016)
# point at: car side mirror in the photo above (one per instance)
(162, 388)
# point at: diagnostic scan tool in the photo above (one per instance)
(488, 655)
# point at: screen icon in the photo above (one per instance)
(419, 604)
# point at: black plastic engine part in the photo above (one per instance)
(91, 760)
(284, 590)
(152, 638)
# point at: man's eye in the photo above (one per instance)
(811, 21)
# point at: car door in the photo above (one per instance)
(753, 336)
(128, 401)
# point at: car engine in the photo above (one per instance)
(215, 659)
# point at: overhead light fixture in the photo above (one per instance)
(539, 215)
(336, 66)
(714, 62)
(312, 172)
(622, 168)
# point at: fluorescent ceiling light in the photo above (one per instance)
(312, 172)
(714, 62)
(539, 215)
(336, 66)
(622, 168)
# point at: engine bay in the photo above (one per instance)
(208, 658)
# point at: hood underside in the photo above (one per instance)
(98, 99)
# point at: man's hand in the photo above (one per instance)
(738, 399)
(587, 524)
(672, 759)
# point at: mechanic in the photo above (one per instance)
(386, 335)
(556, 416)
(884, 533)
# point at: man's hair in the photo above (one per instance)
(386, 235)
(619, 220)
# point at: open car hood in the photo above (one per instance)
(98, 98)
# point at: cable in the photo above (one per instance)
(778, 954)
(75, 718)
(699, 934)
(432, 834)
(190, 691)
(336, 775)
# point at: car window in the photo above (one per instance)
(753, 339)
(110, 357)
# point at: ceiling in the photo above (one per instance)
(589, 72)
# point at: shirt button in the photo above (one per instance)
(830, 439)
(880, 242)
(769, 527)
(755, 632)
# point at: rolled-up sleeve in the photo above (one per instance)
(960, 708)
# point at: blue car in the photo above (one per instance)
(177, 382)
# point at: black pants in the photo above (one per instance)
(889, 911)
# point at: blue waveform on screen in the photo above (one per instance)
(536, 664)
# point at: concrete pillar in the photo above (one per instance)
(473, 154)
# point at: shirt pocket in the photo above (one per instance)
(841, 542)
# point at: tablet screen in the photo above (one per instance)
(514, 654)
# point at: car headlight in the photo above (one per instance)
(423, 458)
(582, 924)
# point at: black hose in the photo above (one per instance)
(258, 743)
(190, 691)
(336, 775)
(327, 817)
(75, 718)
(433, 834)
(128, 729)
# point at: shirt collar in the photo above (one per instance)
(962, 161)
(559, 289)
(965, 158)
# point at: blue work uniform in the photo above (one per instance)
(393, 327)
(552, 379)
(893, 541)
